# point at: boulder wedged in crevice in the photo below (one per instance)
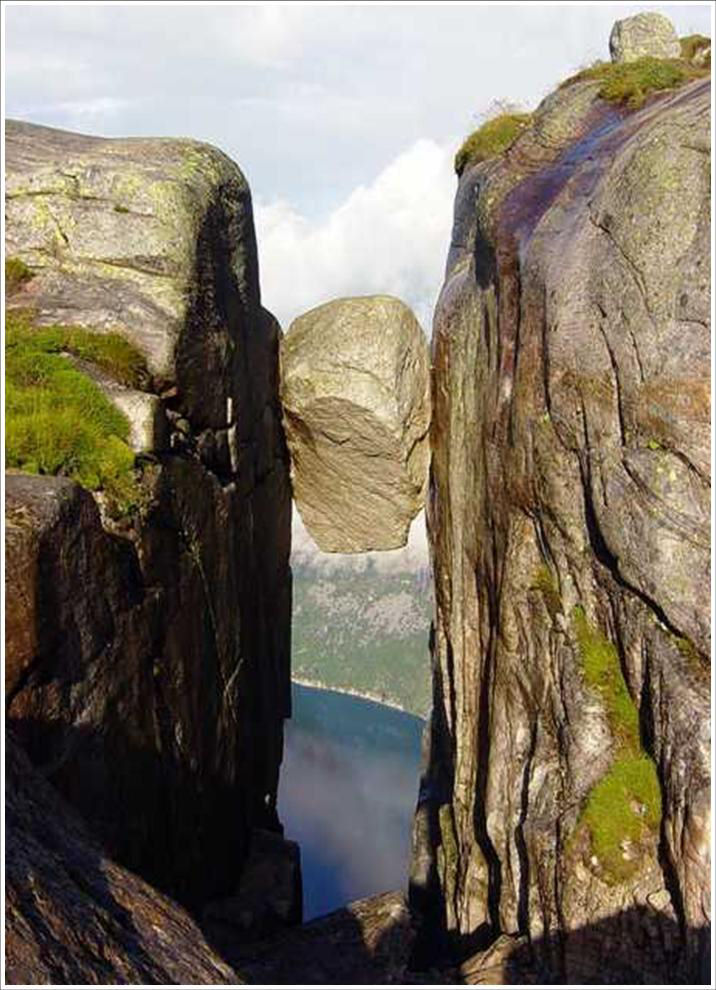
(355, 392)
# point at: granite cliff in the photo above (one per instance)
(564, 810)
(147, 653)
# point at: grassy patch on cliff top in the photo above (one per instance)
(491, 139)
(16, 272)
(629, 83)
(625, 804)
(57, 420)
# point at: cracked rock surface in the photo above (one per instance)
(571, 489)
(355, 392)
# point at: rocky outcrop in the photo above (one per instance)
(149, 666)
(74, 917)
(356, 401)
(565, 804)
(367, 942)
(647, 34)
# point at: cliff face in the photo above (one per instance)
(566, 795)
(148, 667)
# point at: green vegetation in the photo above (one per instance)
(692, 44)
(365, 632)
(626, 803)
(57, 420)
(108, 351)
(491, 139)
(16, 272)
(545, 581)
(118, 208)
(630, 83)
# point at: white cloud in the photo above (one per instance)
(390, 237)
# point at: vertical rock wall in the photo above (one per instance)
(565, 803)
(149, 667)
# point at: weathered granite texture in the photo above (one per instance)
(571, 472)
(643, 34)
(72, 915)
(355, 391)
(149, 669)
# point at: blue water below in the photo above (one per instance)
(349, 783)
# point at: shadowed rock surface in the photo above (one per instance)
(367, 942)
(150, 665)
(643, 34)
(355, 391)
(72, 915)
(569, 520)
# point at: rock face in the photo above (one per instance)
(72, 915)
(368, 942)
(643, 34)
(355, 391)
(566, 795)
(148, 668)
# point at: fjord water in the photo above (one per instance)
(349, 784)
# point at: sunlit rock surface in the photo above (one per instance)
(643, 34)
(569, 517)
(355, 391)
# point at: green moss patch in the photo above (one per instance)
(16, 273)
(108, 351)
(620, 808)
(494, 137)
(625, 805)
(629, 83)
(692, 45)
(57, 420)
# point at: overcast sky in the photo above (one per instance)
(344, 118)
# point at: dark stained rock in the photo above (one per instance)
(270, 894)
(367, 942)
(570, 490)
(125, 680)
(148, 668)
(73, 916)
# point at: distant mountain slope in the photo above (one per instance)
(361, 621)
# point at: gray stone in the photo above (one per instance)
(355, 391)
(643, 34)
(119, 232)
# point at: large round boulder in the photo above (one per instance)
(355, 391)
(643, 34)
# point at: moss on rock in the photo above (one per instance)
(624, 806)
(492, 138)
(57, 419)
